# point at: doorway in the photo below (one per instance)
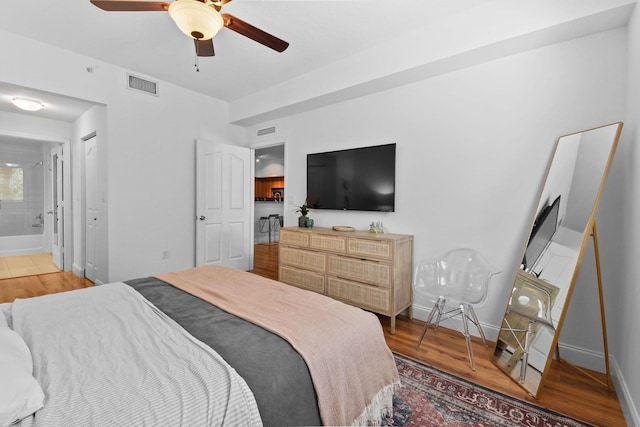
(269, 202)
(26, 200)
(269, 194)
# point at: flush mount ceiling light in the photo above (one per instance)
(196, 19)
(27, 104)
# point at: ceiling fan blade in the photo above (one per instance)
(256, 34)
(131, 6)
(204, 47)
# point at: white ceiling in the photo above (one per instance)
(320, 33)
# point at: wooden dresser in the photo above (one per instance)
(371, 271)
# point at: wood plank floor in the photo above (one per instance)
(565, 391)
(40, 284)
(265, 260)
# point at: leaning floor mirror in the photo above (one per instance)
(562, 225)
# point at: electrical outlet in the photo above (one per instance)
(165, 253)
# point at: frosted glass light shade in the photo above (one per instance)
(196, 19)
(28, 104)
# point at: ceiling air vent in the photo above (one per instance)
(141, 85)
(266, 131)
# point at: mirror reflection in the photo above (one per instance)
(562, 225)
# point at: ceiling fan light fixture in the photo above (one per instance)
(196, 19)
(27, 104)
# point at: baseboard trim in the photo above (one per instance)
(579, 356)
(629, 409)
(585, 358)
(490, 331)
(77, 270)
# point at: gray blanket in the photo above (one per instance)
(276, 374)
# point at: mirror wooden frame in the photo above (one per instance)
(520, 329)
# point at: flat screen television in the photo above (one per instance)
(544, 227)
(359, 179)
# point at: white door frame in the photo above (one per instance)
(57, 208)
(91, 212)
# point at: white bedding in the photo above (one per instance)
(105, 357)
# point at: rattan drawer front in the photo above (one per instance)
(294, 238)
(328, 243)
(370, 248)
(360, 270)
(365, 296)
(308, 260)
(302, 279)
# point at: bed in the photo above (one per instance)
(204, 346)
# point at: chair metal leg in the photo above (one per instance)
(436, 307)
(477, 322)
(525, 353)
(465, 324)
(441, 307)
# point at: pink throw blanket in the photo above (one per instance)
(353, 370)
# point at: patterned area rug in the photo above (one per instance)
(429, 397)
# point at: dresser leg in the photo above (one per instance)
(393, 325)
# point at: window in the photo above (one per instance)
(11, 183)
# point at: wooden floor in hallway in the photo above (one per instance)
(40, 284)
(265, 260)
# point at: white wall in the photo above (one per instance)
(622, 292)
(22, 126)
(472, 148)
(149, 147)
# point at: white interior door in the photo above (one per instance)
(57, 207)
(91, 206)
(223, 205)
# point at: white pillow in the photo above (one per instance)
(20, 393)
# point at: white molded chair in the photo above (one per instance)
(456, 282)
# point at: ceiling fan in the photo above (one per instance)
(199, 19)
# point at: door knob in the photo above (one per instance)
(202, 217)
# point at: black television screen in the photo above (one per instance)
(544, 227)
(360, 179)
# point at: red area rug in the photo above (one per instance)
(429, 397)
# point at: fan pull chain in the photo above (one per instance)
(196, 64)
